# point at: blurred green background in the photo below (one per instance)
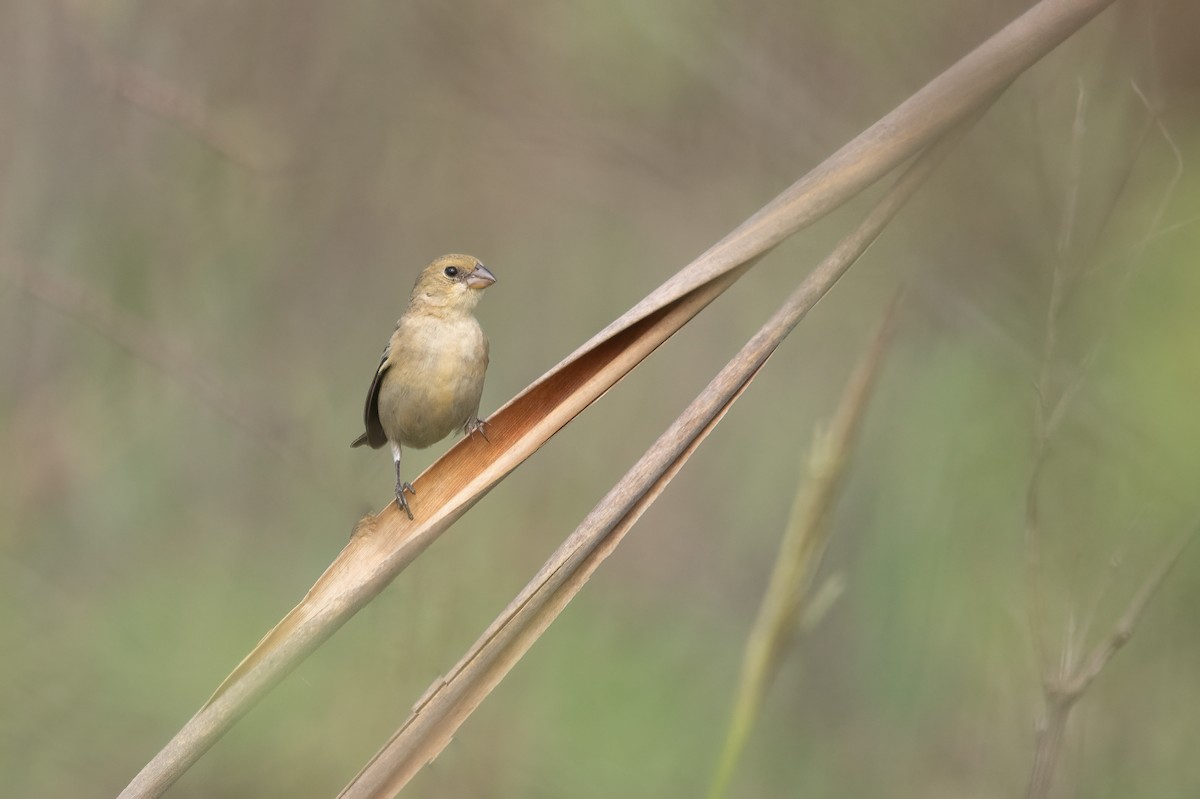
(211, 214)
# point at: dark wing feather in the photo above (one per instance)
(374, 436)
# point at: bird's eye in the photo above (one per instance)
(450, 271)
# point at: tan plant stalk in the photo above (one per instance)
(448, 702)
(800, 551)
(382, 546)
(1064, 676)
(1067, 685)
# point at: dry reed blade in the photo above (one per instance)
(449, 701)
(801, 548)
(384, 545)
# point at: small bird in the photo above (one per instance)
(431, 376)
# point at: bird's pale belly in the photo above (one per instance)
(420, 406)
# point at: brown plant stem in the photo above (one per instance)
(448, 702)
(1065, 682)
(801, 549)
(1063, 689)
(385, 544)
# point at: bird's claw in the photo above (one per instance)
(477, 425)
(401, 500)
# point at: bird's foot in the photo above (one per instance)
(477, 425)
(401, 500)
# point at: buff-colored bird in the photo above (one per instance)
(431, 376)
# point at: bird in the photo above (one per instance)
(430, 379)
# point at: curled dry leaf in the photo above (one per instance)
(471, 468)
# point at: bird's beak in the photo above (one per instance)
(480, 277)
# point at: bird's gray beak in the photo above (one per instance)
(480, 277)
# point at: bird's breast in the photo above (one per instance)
(435, 379)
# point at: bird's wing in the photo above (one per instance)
(374, 437)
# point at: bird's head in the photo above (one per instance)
(452, 283)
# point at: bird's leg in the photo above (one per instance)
(402, 486)
(475, 423)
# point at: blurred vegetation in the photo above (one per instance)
(212, 213)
